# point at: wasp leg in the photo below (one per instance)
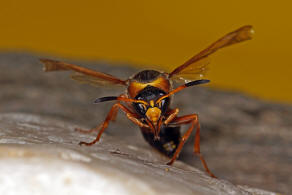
(193, 119)
(85, 131)
(110, 116)
(171, 115)
(114, 116)
(115, 112)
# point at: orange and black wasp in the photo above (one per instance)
(147, 99)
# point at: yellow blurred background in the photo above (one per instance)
(162, 33)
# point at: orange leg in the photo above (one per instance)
(114, 116)
(85, 131)
(193, 119)
(171, 115)
(109, 117)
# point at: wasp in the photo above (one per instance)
(148, 95)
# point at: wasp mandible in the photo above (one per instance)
(147, 100)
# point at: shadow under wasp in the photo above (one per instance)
(147, 100)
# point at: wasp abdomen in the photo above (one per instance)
(168, 142)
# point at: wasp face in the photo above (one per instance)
(153, 114)
(153, 111)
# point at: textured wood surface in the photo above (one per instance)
(244, 140)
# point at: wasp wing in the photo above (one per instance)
(195, 71)
(81, 74)
(196, 67)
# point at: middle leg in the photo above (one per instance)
(193, 119)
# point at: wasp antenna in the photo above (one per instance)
(111, 98)
(192, 83)
(197, 82)
(105, 99)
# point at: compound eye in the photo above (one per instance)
(161, 103)
(142, 108)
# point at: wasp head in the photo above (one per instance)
(152, 110)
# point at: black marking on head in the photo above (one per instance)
(151, 93)
(197, 82)
(146, 76)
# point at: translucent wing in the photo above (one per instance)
(196, 67)
(195, 71)
(81, 74)
(87, 79)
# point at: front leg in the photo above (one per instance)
(111, 114)
(194, 121)
(171, 115)
(113, 118)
